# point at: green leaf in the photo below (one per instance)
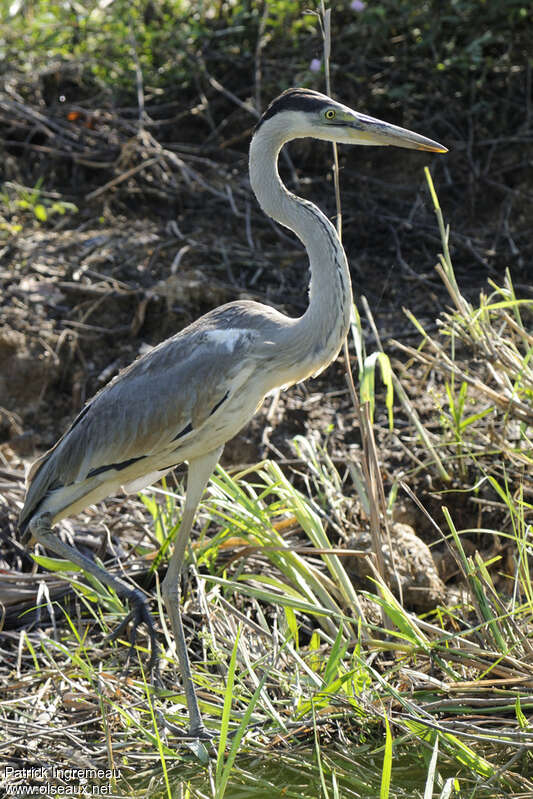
(228, 696)
(367, 389)
(523, 722)
(292, 625)
(430, 781)
(56, 564)
(40, 212)
(338, 650)
(387, 764)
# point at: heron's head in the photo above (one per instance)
(299, 113)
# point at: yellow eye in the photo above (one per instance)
(330, 114)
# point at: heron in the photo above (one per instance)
(182, 400)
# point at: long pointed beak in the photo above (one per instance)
(367, 130)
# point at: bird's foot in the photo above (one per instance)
(202, 734)
(195, 733)
(138, 614)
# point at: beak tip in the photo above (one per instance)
(437, 147)
(434, 148)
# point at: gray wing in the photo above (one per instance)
(161, 400)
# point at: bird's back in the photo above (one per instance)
(153, 414)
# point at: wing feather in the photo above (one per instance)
(161, 400)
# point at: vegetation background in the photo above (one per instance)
(125, 212)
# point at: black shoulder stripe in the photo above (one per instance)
(117, 466)
(187, 429)
(80, 416)
(219, 403)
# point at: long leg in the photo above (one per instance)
(41, 528)
(200, 470)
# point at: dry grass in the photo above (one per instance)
(315, 682)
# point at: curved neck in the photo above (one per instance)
(317, 336)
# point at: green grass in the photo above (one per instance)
(311, 686)
(290, 672)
